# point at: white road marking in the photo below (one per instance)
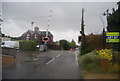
(76, 58)
(58, 55)
(50, 61)
(35, 59)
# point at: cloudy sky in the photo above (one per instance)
(65, 19)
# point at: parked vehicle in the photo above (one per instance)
(10, 47)
(10, 44)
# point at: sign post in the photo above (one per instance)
(45, 39)
(113, 38)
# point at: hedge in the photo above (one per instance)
(28, 45)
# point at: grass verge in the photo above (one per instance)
(92, 67)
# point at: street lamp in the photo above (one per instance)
(103, 31)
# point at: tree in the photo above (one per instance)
(65, 44)
(114, 20)
(72, 44)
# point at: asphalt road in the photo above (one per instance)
(46, 65)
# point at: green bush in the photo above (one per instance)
(28, 45)
(90, 61)
(65, 44)
(54, 46)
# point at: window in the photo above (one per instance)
(35, 36)
(3, 43)
(28, 36)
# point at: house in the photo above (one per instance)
(36, 35)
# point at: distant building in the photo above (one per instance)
(4, 38)
(36, 35)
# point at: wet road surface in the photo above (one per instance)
(46, 65)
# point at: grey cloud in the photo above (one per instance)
(66, 16)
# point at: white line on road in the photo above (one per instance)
(58, 55)
(76, 58)
(50, 61)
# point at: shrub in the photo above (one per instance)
(90, 61)
(94, 41)
(105, 53)
(54, 46)
(28, 45)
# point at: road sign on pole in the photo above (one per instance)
(45, 39)
(113, 37)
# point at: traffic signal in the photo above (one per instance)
(79, 39)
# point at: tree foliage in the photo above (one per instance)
(54, 46)
(72, 44)
(66, 45)
(114, 23)
(114, 20)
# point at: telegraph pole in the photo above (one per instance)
(83, 40)
(82, 23)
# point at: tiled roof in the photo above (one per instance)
(31, 32)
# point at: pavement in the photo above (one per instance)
(44, 65)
